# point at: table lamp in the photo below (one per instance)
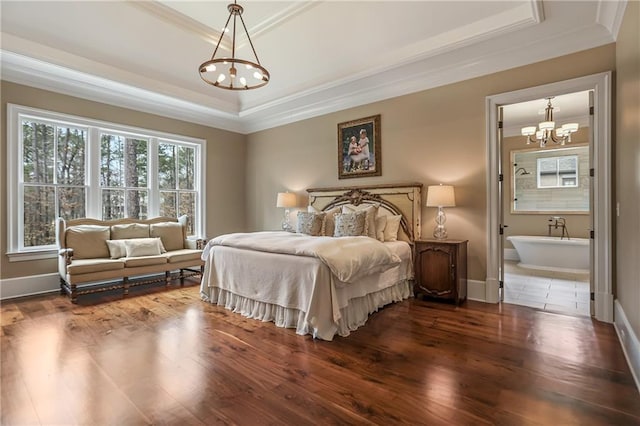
(286, 200)
(440, 196)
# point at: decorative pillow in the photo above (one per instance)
(330, 221)
(129, 230)
(170, 233)
(351, 224)
(136, 247)
(372, 212)
(381, 223)
(117, 249)
(391, 230)
(88, 241)
(310, 223)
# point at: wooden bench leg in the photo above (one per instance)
(181, 277)
(125, 286)
(167, 278)
(73, 295)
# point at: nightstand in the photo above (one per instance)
(441, 269)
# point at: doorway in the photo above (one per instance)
(601, 258)
(546, 209)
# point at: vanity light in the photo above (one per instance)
(546, 130)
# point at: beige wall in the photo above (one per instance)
(226, 153)
(433, 136)
(627, 155)
(578, 225)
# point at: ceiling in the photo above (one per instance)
(323, 56)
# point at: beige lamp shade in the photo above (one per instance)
(286, 200)
(441, 196)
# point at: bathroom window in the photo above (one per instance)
(545, 181)
(558, 172)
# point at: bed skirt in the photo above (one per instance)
(352, 316)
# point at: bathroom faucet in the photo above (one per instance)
(556, 222)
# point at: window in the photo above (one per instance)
(71, 167)
(558, 172)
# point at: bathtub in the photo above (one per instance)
(552, 253)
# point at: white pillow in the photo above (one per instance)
(381, 223)
(391, 230)
(371, 211)
(117, 249)
(136, 247)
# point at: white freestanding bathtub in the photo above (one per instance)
(552, 253)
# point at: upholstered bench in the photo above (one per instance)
(98, 255)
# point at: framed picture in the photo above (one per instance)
(359, 148)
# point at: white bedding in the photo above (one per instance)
(301, 292)
(348, 258)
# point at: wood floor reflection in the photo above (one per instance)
(168, 358)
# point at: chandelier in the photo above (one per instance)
(234, 73)
(546, 130)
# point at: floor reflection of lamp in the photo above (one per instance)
(440, 196)
(286, 200)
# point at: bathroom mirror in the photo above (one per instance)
(547, 181)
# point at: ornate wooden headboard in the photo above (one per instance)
(394, 199)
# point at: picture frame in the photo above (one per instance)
(359, 148)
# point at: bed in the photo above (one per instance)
(270, 276)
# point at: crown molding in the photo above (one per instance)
(212, 35)
(42, 75)
(610, 14)
(463, 64)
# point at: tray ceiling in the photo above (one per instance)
(323, 56)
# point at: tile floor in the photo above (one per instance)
(547, 290)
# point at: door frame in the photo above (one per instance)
(602, 262)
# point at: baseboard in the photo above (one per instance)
(511, 254)
(28, 286)
(476, 290)
(629, 341)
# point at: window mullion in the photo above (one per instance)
(92, 178)
(154, 191)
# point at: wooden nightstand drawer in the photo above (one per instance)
(441, 269)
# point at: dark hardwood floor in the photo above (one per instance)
(168, 358)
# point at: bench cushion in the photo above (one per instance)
(183, 255)
(88, 266)
(135, 262)
(170, 233)
(129, 230)
(88, 241)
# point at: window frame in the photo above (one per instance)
(558, 173)
(93, 207)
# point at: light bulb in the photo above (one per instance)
(243, 81)
(221, 78)
(528, 131)
(249, 66)
(210, 68)
(257, 75)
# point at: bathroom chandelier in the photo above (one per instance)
(546, 130)
(234, 73)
